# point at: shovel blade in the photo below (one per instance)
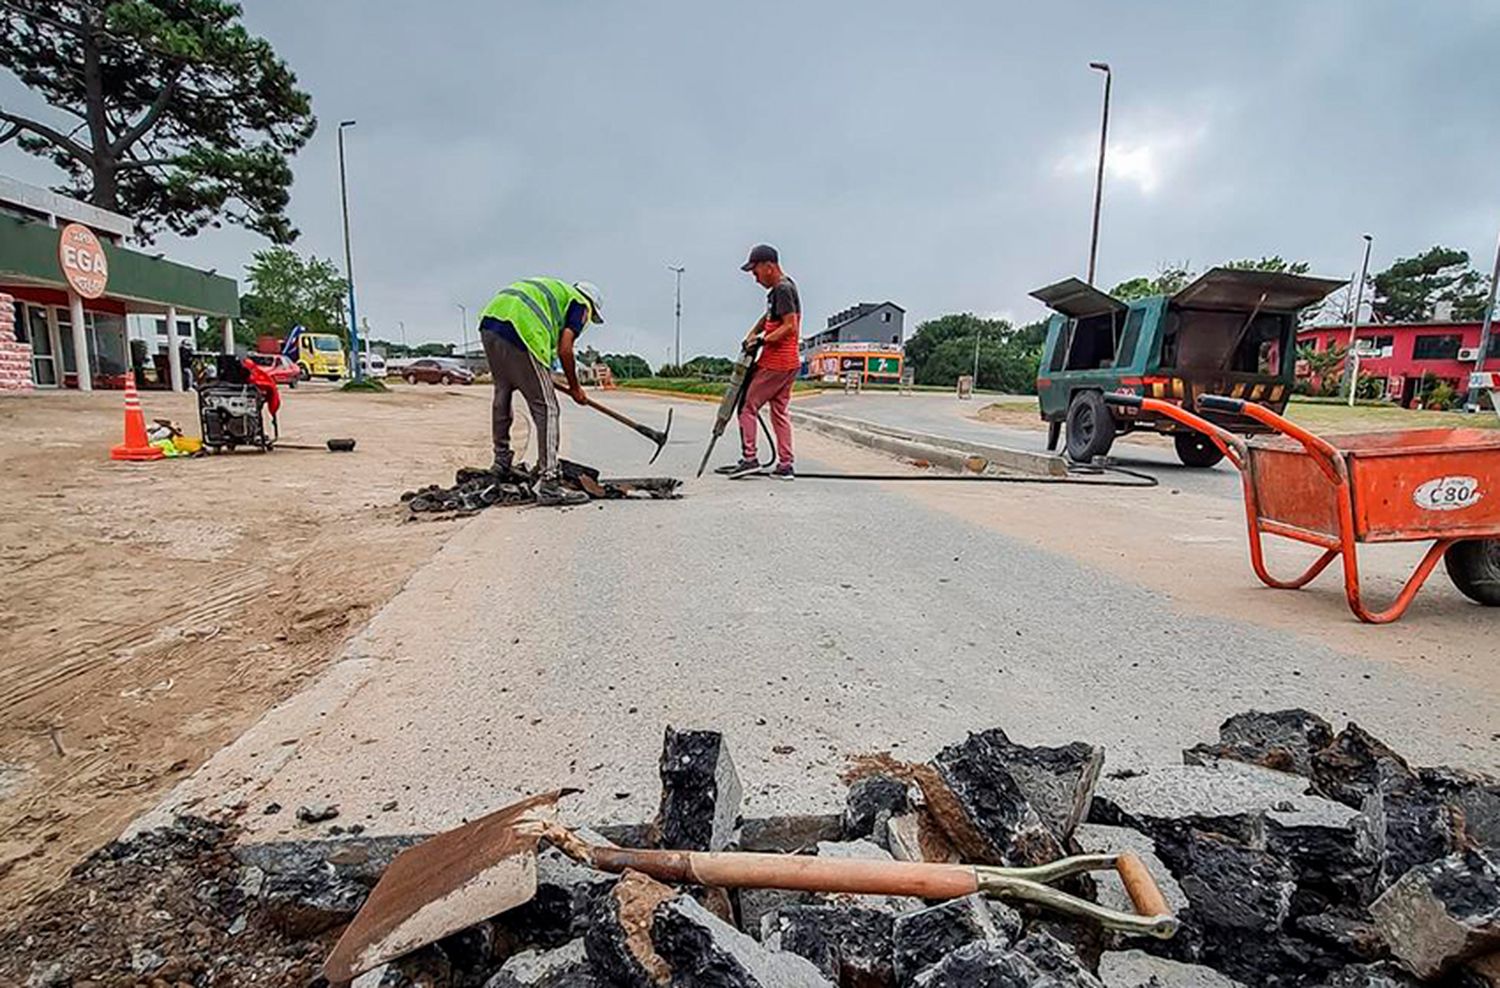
(443, 885)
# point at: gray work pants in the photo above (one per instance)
(515, 369)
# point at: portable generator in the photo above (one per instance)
(231, 410)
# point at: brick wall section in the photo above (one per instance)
(15, 357)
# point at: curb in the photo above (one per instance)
(951, 454)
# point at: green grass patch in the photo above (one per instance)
(367, 385)
(693, 386)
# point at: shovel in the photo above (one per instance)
(483, 868)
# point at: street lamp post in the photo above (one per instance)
(402, 324)
(463, 312)
(678, 271)
(975, 384)
(1099, 176)
(1352, 358)
(349, 255)
(1489, 314)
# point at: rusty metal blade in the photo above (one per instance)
(443, 885)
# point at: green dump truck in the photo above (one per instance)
(1230, 332)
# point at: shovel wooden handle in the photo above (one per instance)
(1141, 887)
(737, 869)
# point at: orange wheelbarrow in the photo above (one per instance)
(1439, 484)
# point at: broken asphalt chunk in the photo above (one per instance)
(1284, 740)
(972, 793)
(700, 949)
(1138, 969)
(871, 803)
(562, 967)
(1438, 915)
(849, 945)
(924, 937)
(619, 938)
(1351, 766)
(700, 798)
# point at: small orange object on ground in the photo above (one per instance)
(136, 446)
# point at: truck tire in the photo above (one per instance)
(1474, 567)
(1195, 449)
(303, 372)
(1091, 428)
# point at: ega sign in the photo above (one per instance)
(82, 260)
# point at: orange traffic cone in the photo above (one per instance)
(136, 446)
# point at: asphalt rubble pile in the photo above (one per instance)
(1293, 855)
(474, 489)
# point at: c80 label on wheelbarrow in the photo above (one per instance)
(1448, 493)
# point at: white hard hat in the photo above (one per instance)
(590, 291)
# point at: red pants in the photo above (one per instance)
(773, 387)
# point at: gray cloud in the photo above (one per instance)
(939, 155)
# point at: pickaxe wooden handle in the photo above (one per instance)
(660, 438)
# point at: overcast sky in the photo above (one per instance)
(939, 155)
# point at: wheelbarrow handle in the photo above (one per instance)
(1323, 453)
(1231, 445)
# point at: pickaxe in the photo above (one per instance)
(660, 438)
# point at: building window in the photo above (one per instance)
(1381, 342)
(885, 317)
(1436, 347)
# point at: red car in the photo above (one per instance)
(281, 368)
(437, 370)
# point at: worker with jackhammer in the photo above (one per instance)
(778, 332)
(524, 329)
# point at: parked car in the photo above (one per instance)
(1228, 333)
(372, 364)
(437, 370)
(283, 370)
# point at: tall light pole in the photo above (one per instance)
(349, 255)
(463, 311)
(1352, 358)
(1099, 177)
(679, 271)
(1489, 314)
(976, 357)
(402, 324)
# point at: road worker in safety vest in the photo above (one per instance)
(525, 328)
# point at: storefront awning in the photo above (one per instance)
(28, 256)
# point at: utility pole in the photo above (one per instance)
(1351, 359)
(402, 324)
(463, 311)
(1099, 177)
(976, 357)
(349, 255)
(1489, 314)
(679, 271)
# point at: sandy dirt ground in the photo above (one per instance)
(153, 611)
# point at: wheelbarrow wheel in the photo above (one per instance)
(1195, 449)
(1091, 427)
(1474, 567)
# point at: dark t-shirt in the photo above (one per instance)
(781, 301)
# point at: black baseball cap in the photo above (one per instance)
(759, 253)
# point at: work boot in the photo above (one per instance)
(502, 463)
(735, 469)
(784, 472)
(551, 494)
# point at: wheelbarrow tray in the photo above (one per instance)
(1405, 486)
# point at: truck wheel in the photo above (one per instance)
(303, 372)
(1195, 449)
(1091, 428)
(292, 384)
(1474, 567)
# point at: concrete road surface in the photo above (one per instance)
(815, 620)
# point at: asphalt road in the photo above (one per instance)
(947, 415)
(812, 621)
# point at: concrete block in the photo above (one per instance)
(1138, 969)
(1441, 914)
(702, 950)
(1280, 739)
(700, 798)
(922, 938)
(979, 802)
